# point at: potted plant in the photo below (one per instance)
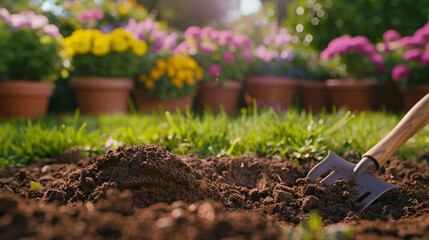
(103, 68)
(30, 61)
(273, 81)
(170, 83)
(313, 91)
(388, 92)
(357, 59)
(411, 70)
(224, 56)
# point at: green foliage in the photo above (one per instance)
(28, 54)
(312, 229)
(113, 64)
(325, 20)
(294, 135)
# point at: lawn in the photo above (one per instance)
(294, 135)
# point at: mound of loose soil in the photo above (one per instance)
(146, 192)
(150, 172)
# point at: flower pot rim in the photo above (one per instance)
(315, 84)
(26, 88)
(230, 84)
(347, 83)
(98, 83)
(271, 81)
(138, 91)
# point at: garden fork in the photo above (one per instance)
(369, 188)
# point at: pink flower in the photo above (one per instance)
(411, 42)
(229, 57)
(181, 48)
(18, 21)
(5, 15)
(412, 55)
(207, 48)
(225, 36)
(51, 30)
(90, 15)
(214, 70)
(378, 61)
(425, 58)
(192, 31)
(247, 55)
(170, 41)
(400, 72)
(39, 21)
(205, 32)
(214, 35)
(391, 35)
(423, 32)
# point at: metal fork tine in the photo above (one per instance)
(331, 178)
(375, 187)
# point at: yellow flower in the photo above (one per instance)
(149, 84)
(81, 46)
(181, 74)
(122, 10)
(191, 63)
(119, 44)
(190, 81)
(101, 46)
(171, 71)
(161, 64)
(199, 73)
(143, 78)
(177, 82)
(155, 73)
(139, 47)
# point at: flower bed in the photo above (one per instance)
(223, 197)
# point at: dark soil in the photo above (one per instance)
(146, 192)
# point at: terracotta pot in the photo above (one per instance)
(24, 98)
(315, 95)
(216, 96)
(354, 95)
(277, 92)
(388, 97)
(97, 95)
(412, 94)
(149, 104)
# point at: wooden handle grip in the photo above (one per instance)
(415, 119)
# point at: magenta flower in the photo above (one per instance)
(214, 70)
(229, 57)
(423, 32)
(400, 72)
(412, 55)
(51, 30)
(207, 48)
(425, 58)
(90, 15)
(391, 35)
(214, 35)
(192, 31)
(411, 42)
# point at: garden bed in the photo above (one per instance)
(148, 193)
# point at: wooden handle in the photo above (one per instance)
(415, 119)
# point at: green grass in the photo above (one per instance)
(294, 135)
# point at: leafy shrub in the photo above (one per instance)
(325, 20)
